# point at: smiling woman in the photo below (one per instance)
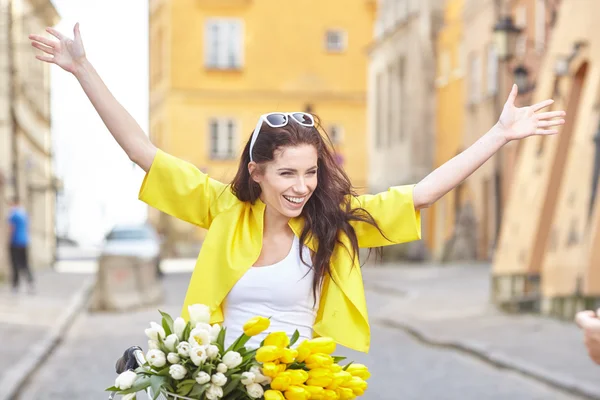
(291, 207)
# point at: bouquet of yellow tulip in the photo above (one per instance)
(188, 360)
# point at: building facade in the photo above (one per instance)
(216, 66)
(25, 138)
(402, 72)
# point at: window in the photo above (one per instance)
(474, 78)
(223, 135)
(379, 93)
(336, 133)
(335, 40)
(157, 55)
(521, 22)
(492, 70)
(443, 68)
(224, 43)
(540, 25)
(402, 104)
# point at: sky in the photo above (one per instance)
(100, 183)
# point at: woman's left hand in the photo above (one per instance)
(518, 123)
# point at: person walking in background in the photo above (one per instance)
(18, 222)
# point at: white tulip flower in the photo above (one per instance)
(259, 377)
(155, 331)
(198, 355)
(199, 313)
(171, 342)
(179, 327)
(130, 396)
(177, 372)
(152, 344)
(183, 349)
(125, 380)
(222, 368)
(255, 391)
(219, 379)
(156, 358)
(199, 337)
(214, 332)
(173, 358)
(212, 351)
(202, 378)
(248, 378)
(232, 359)
(214, 392)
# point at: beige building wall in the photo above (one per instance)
(550, 228)
(401, 106)
(484, 85)
(25, 127)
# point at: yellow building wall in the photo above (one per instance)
(285, 67)
(449, 118)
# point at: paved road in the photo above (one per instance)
(402, 367)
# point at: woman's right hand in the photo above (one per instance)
(67, 53)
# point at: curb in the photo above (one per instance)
(17, 376)
(479, 350)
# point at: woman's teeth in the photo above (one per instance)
(295, 200)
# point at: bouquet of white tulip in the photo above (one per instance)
(188, 360)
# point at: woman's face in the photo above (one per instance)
(289, 180)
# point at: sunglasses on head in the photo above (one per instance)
(277, 120)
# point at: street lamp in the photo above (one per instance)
(521, 75)
(505, 37)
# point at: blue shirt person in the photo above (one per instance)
(18, 221)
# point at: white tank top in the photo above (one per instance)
(282, 291)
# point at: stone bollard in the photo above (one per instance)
(126, 283)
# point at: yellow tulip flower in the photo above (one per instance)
(268, 353)
(319, 377)
(299, 376)
(316, 392)
(273, 395)
(339, 379)
(281, 382)
(256, 325)
(278, 339)
(270, 369)
(359, 370)
(288, 356)
(345, 393)
(297, 393)
(303, 351)
(330, 395)
(319, 360)
(322, 345)
(357, 385)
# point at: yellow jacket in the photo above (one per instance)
(234, 241)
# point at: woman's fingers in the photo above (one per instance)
(541, 104)
(551, 114)
(43, 40)
(55, 33)
(43, 48)
(45, 58)
(555, 122)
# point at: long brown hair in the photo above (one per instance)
(328, 212)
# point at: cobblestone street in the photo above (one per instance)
(402, 366)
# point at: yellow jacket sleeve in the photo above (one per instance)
(395, 214)
(180, 189)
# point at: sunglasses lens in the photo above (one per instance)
(277, 119)
(303, 118)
